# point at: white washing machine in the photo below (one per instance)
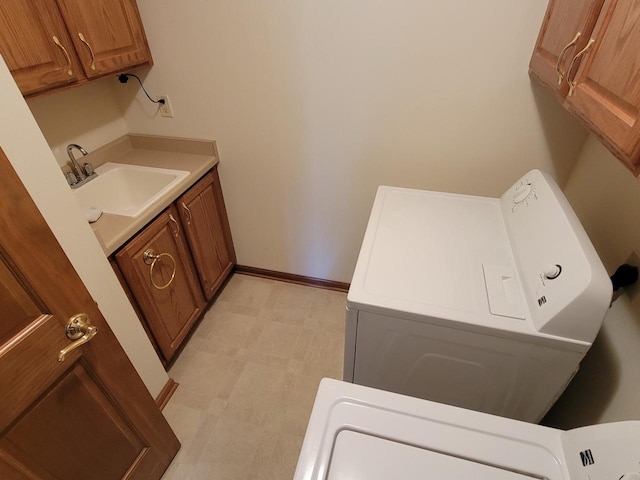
(484, 303)
(359, 433)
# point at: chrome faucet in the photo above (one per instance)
(79, 171)
(83, 173)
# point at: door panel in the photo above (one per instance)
(74, 408)
(17, 304)
(39, 342)
(89, 416)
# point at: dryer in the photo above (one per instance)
(484, 303)
(359, 433)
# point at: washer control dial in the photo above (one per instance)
(522, 191)
(552, 271)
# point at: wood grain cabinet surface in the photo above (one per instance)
(194, 235)
(51, 44)
(163, 281)
(588, 55)
(206, 226)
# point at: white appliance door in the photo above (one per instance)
(470, 370)
(358, 456)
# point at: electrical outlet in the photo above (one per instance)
(633, 290)
(165, 109)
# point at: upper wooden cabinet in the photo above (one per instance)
(600, 72)
(50, 44)
(607, 84)
(565, 31)
(36, 46)
(107, 34)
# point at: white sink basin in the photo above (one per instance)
(126, 189)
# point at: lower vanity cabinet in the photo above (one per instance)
(206, 227)
(159, 273)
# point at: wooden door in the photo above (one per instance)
(107, 34)
(89, 416)
(35, 45)
(567, 23)
(166, 289)
(204, 217)
(607, 92)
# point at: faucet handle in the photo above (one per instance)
(71, 178)
(88, 169)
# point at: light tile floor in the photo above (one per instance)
(248, 378)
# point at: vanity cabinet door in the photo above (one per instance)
(206, 225)
(36, 46)
(158, 270)
(107, 34)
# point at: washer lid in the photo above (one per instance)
(358, 456)
(441, 256)
(429, 247)
(357, 433)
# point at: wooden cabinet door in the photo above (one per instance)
(35, 45)
(107, 34)
(165, 289)
(607, 92)
(565, 31)
(204, 217)
(88, 416)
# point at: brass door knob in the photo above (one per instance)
(78, 328)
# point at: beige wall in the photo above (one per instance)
(314, 104)
(89, 116)
(606, 198)
(31, 157)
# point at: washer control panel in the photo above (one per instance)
(567, 288)
(610, 451)
(524, 190)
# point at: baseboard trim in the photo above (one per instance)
(292, 278)
(166, 393)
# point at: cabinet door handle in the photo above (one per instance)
(93, 57)
(150, 257)
(186, 209)
(572, 84)
(561, 56)
(177, 230)
(66, 54)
